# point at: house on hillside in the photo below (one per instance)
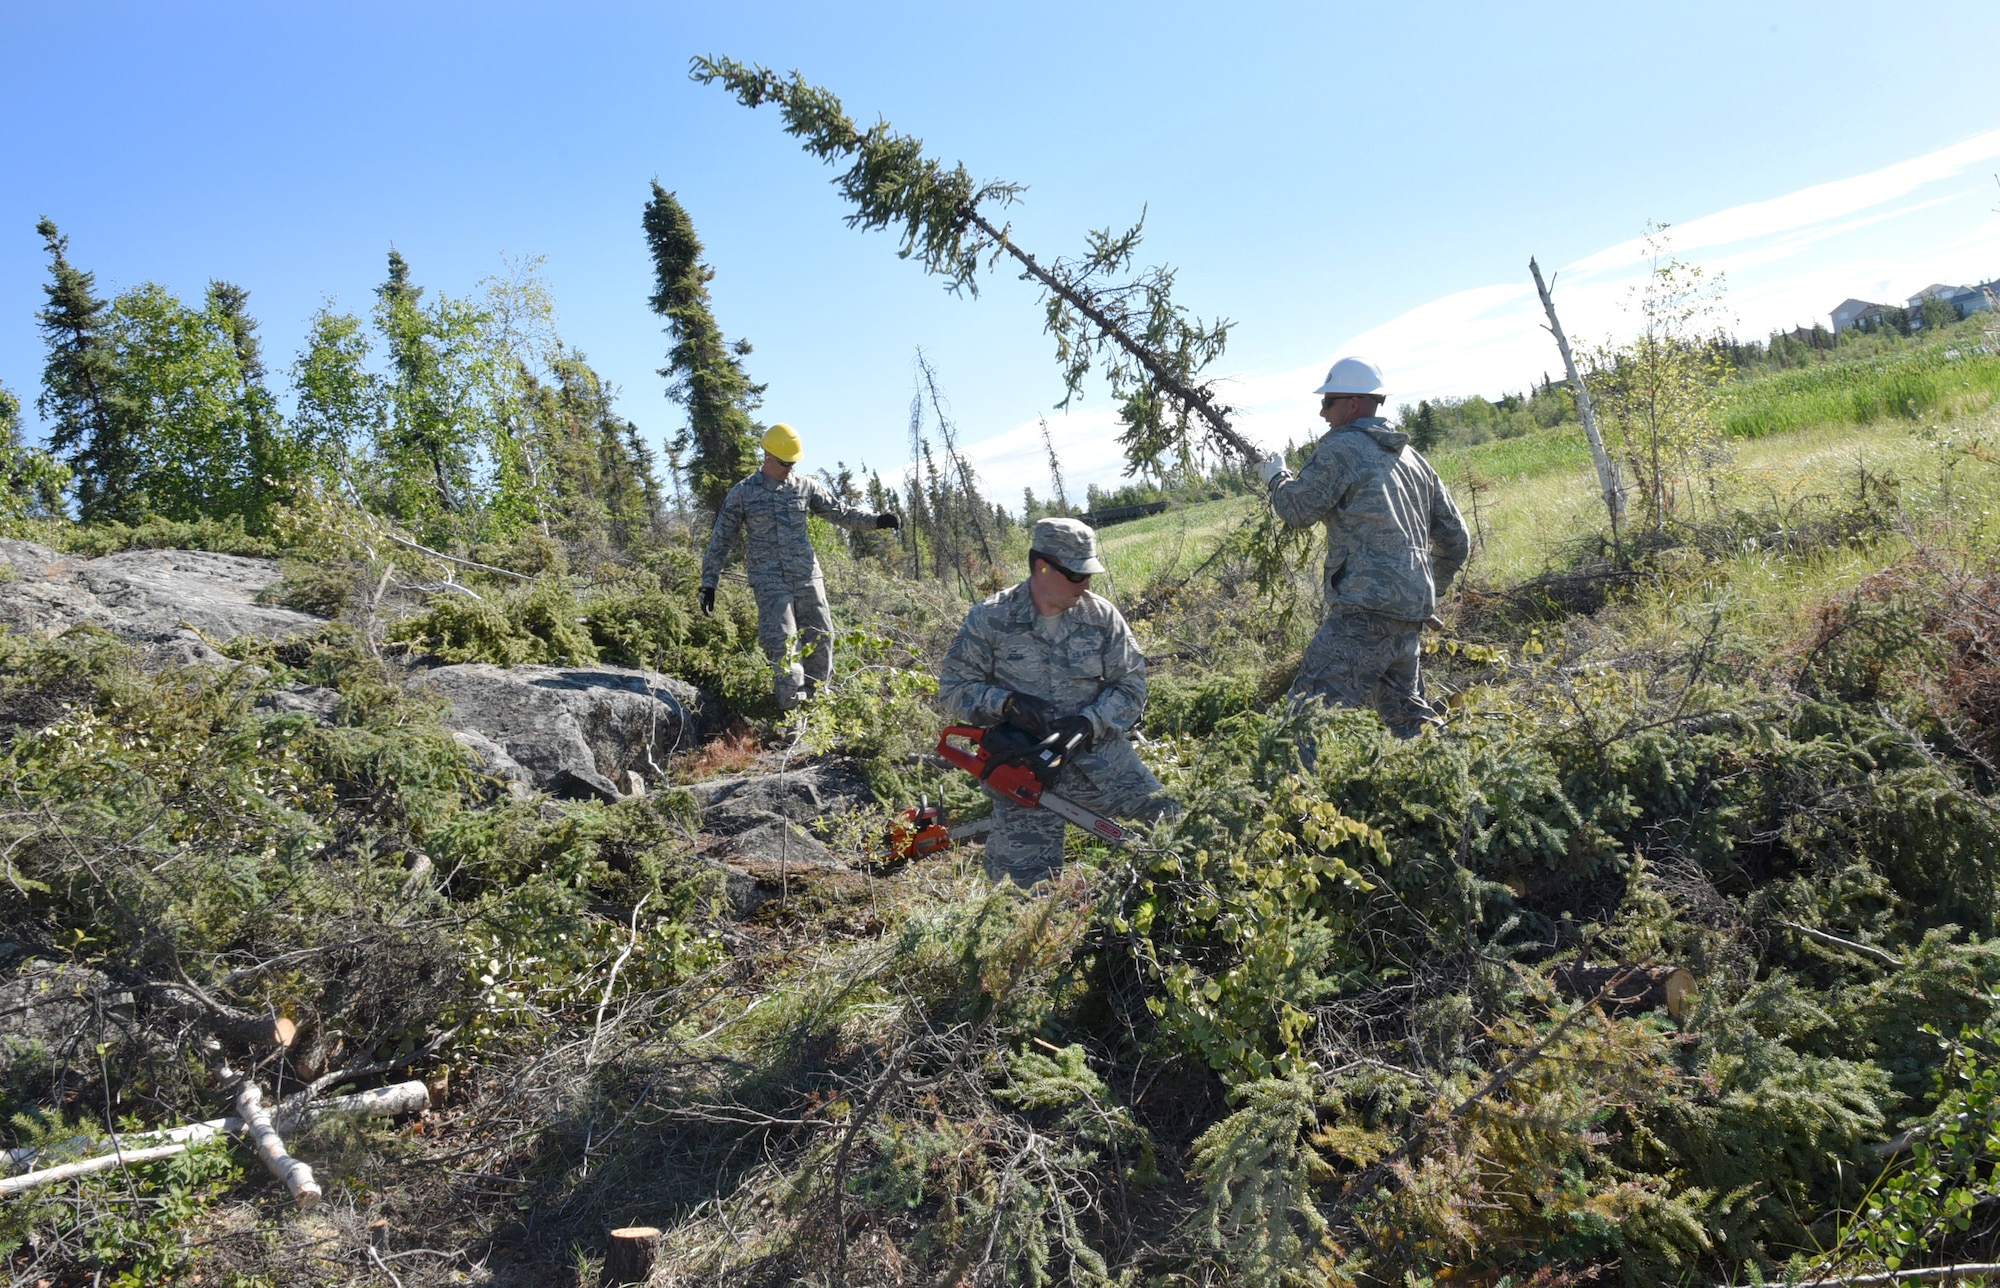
(1967, 300)
(1861, 313)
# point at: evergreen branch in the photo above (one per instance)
(1194, 398)
(1497, 1082)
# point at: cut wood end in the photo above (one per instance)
(284, 1031)
(642, 1232)
(1678, 988)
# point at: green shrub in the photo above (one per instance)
(224, 536)
(1177, 704)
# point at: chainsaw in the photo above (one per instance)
(1013, 765)
(1016, 766)
(920, 831)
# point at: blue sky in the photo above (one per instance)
(1328, 176)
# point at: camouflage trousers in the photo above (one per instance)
(1362, 659)
(1026, 845)
(788, 610)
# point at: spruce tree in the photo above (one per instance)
(1103, 314)
(429, 447)
(705, 373)
(269, 467)
(79, 383)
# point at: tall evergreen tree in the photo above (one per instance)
(431, 445)
(79, 388)
(269, 466)
(705, 372)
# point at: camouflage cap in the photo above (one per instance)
(1069, 542)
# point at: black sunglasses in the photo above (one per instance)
(1075, 578)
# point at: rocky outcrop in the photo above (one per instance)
(166, 601)
(575, 732)
(744, 803)
(760, 821)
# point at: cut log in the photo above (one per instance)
(384, 1102)
(147, 1146)
(394, 1101)
(629, 1256)
(1632, 988)
(270, 1147)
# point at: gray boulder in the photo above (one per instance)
(736, 805)
(572, 731)
(167, 601)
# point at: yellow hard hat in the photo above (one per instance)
(782, 441)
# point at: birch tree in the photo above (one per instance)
(1663, 390)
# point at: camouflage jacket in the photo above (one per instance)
(1090, 664)
(1394, 540)
(772, 517)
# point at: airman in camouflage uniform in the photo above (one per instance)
(1051, 657)
(1394, 540)
(770, 508)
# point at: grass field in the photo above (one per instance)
(1528, 498)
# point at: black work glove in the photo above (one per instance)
(1066, 728)
(708, 601)
(888, 519)
(1029, 712)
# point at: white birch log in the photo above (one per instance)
(10, 1185)
(270, 1147)
(411, 1097)
(1607, 469)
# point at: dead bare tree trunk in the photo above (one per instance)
(1607, 469)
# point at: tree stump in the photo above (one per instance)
(629, 1256)
(1633, 988)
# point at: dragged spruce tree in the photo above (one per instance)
(1102, 313)
(704, 372)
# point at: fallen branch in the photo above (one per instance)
(270, 1147)
(68, 1171)
(454, 559)
(1972, 1272)
(1870, 951)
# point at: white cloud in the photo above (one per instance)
(1786, 260)
(1814, 205)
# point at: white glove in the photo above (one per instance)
(1270, 469)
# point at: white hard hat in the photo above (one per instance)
(1352, 376)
